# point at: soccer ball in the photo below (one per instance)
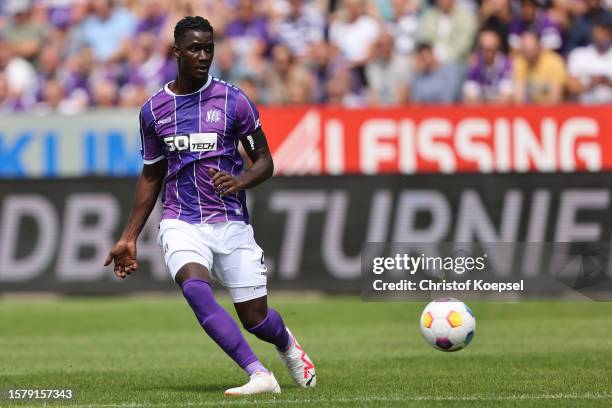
(448, 324)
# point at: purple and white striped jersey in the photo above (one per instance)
(193, 133)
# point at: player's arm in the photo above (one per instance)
(256, 147)
(147, 190)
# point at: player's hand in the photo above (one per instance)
(124, 255)
(224, 182)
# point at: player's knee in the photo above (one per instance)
(191, 271)
(253, 316)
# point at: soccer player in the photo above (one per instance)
(190, 130)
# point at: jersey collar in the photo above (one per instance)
(206, 85)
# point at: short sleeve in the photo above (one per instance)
(151, 147)
(247, 116)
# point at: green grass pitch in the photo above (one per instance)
(150, 352)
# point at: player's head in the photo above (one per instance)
(193, 46)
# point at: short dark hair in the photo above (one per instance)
(423, 46)
(189, 23)
(604, 21)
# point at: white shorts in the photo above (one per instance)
(227, 249)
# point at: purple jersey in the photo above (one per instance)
(194, 133)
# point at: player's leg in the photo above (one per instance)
(264, 322)
(268, 325)
(189, 263)
(194, 279)
(239, 265)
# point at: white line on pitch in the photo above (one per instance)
(340, 400)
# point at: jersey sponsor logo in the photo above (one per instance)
(194, 142)
(164, 121)
(213, 115)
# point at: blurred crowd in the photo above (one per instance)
(71, 55)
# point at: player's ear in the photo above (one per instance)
(176, 51)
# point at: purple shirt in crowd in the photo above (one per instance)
(490, 81)
(153, 25)
(548, 30)
(245, 35)
(194, 133)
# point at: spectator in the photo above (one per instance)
(144, 64)
(590, 68)
(78, 69)
(403, 26)
(19, 74)
(383, 9)
(52, 96)
(387, 74)
(104, 30)
(586, 12)
(248, 32)
(299, 86)
(434, 82)
(496, 15)
(25, 36)
(339, 90)
(250, 88)
(538, 20)
(325, 61)
(104, 93)
(100, 52)
(49, 65)
(225, 65)
(539, 74)
(153, 19)
(278, 75)
(355, 35)
(301, 28)
(60, 13)
(8, 102)
(450, 28)
(133, 95)
(489, 78)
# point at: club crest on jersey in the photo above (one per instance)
(194, 142)
(213, 115)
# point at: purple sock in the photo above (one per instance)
(272, 329)
(255, 367)
(217, 323)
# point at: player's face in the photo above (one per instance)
(195, 53)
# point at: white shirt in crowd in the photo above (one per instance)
(355, 40)
(585, 63)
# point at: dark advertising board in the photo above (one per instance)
(55, 234)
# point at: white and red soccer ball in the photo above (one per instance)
(448, 324)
